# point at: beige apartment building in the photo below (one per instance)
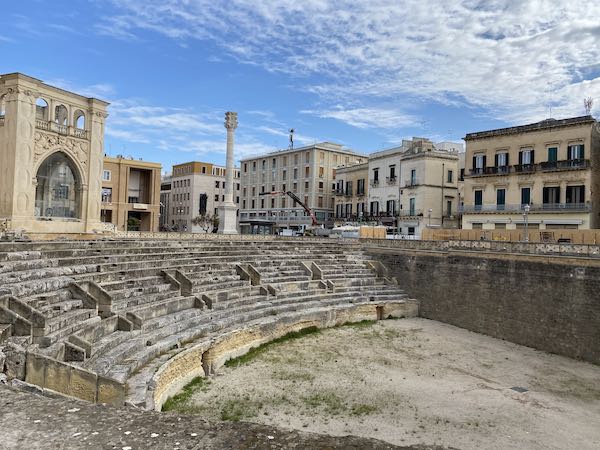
(51, 150)
(545, 174)
(309, 172)
(197, 189)
(130, 194)
(352, 192)
(428, 188)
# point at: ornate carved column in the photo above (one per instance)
(227, 212)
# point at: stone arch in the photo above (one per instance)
(61, 115)
(58, 187)
(41, 109)
(79, 119)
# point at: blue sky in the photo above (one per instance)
(363, 74)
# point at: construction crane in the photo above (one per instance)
(297, 200)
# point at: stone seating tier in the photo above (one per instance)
(123, 309)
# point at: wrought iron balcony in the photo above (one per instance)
(1, 120)
(567, 164)
(410, 213)
(391, 180)
(413, 182)
(375, 183)
(536, 207)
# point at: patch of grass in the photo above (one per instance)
(235, 410)
(179, 401)
(361, 324)
(256, 351)
(329, 401)
(362, 409)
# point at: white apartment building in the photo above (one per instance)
(197, 189)
(414, 185)
(309, 172)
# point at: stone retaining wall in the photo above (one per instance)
(48, 373)
(546, 302)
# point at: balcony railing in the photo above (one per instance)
(375, 183)
(568, 164)
(565, 164)
(391, 180)
(411, 213)
(61, 129)
(338, 192)
(1, 121)
(536, 207)
(412, 183)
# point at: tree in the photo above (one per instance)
(204, 221)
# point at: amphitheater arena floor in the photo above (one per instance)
(409, 382)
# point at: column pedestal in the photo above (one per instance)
(227, 219)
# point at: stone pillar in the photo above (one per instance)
(227, 211)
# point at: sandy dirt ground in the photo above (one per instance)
(412, 381)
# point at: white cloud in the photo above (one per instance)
(369, 117)
(514, 58)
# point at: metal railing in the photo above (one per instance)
(1, 120)
(391, 180)
(536, 207)
(412, 183)
(567, 164)
(375, 183)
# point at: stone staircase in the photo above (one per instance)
(122, 310)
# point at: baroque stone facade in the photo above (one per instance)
(51, 150)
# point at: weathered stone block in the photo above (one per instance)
(36, 369)
(15, 362)
(58, 376)
(110, 391)
(83, 384)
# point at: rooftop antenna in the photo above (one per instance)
(587, 104)
(292, 131)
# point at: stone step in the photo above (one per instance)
(108, 342)
(30, 264)
(144, 290)
(44, 301)
(129, 283)
(68, 324)
(60, 308)
(164, 307)
(44, 285)
(125, 304)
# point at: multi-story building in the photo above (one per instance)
(309, 172)
(384, 176)
(130, 194)
(165, 203)
(414, 186)
(51, 147)
(428, 188)
(198, 189)
(545, 175)
(352, 191)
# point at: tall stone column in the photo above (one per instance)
(227, 212)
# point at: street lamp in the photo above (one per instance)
(526, 217)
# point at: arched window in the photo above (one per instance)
(41, 109)
(79, 119)
(2, 105)
(61, 115)
(58, 185)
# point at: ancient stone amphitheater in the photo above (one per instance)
(134, 320)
